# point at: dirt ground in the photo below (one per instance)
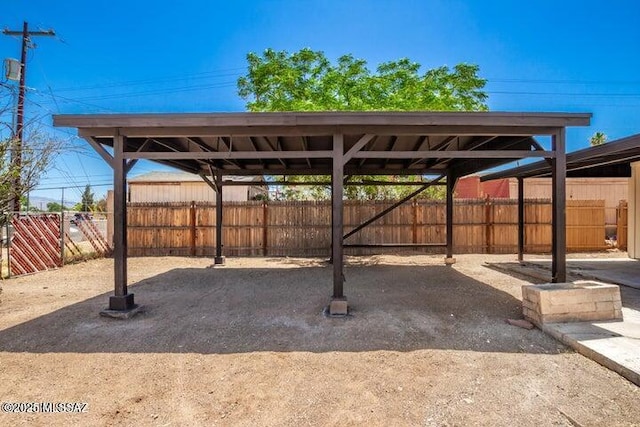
(247, 344)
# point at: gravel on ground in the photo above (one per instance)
(248, 344)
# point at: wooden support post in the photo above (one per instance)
(219, 258)
(520, 219)
(122, 300)
(192, 228)
(559, 222)
(338, 305)
(449, 259)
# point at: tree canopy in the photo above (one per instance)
(598, 138)
(308, 81)
(54, 207)
(38, 151)
(87, 202)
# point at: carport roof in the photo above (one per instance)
(393, 143)
(610, 160)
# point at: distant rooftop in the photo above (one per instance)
(161, 176)
(609, 160)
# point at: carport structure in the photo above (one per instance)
(444, 145)
(611, 160)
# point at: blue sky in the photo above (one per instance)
(163, 56)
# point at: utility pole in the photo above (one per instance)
(16, 148)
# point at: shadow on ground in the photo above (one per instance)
(237, 310)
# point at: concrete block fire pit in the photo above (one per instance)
(581, 301)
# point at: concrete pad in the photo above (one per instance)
(338, 307)
(620, 271)
(617, 352)
(613, 344)
(122, 314)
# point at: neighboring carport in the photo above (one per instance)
(338, 144)
(611, 160)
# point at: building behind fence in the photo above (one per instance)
(304, 228)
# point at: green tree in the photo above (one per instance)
(307, 81)
(54, 207)
(358, 192)
(87, 202)
(101, 205)
(38, 152)
(598, 138)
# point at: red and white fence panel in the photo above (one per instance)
(35, 245)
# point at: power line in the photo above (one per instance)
(576, 82)
(46, 80)
(76, 187)
(158, 91)
(62, 180)
(195, 76)
(16, 153)
(77, 101)
(573, 94)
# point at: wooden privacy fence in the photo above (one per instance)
(304, 228)
(622, 225)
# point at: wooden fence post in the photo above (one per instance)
(621, 225)
(192, 228)
(265, 228)
(414, 227)
(488, 224)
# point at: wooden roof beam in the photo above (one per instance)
(232, 155)
(390, 147)
(359, 145)
(275, 147)
(206, 149)
(221, 145)
(132, 162)
(255, 147)
(443, 145)
(305, 147)
(477, 143)
(434, 130)
(297, 119)
(456, 154)
(419, 146)
(100, 150)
